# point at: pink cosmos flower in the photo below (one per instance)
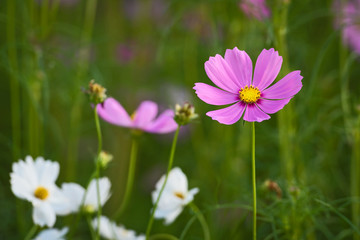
(144, 118)
(253, 97)
(255, 8)
(349, 19)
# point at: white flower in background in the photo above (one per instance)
(75, 193)
(34, 181)
(110, 230)
(174, 197)
(52, 234)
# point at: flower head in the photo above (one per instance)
(174, 197)
(348, 18)
(110, 230)
(144, 118)
(254, 98)
(75, 193)
(255, 8)
(34, 181)
(52, 234)
(97, 93)
(184, 114)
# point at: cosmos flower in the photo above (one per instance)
(144, 118)
(255, 8)
(174, 197)
(348, 18)
(75, 193)
(34, 181)
(110, 230)
(52, 234)
(254, 98)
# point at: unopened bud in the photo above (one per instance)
(104, 159)
(184, 114)
(273, 187)
(96, 92)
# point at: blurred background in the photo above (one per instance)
(308, 155)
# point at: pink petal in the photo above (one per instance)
(112, 111)
(221, 74)
(213, 95)
(287, 87)
(165, 123)
(272, 106)
(229, 115)
(241, 65)
(145, 113)
(267, 68)
(254, 114)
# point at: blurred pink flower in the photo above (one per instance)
(144, 118)
(252, 96)
(125, 52)
(348, 18)
(255, 8)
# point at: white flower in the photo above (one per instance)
(75, 193)
(52, 234)
(174, 197)
(110, 230)
(34, 181)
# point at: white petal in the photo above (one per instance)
(52, 234)
(91, 195)
(171, 216)
(43, 214)
(61, 204)
(190, 195)
(47, 171)
(74, 193)
(107, 228)
(21, 187)
(26, 170)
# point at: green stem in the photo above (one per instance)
(202, 220)
(92, 231)
(31, 232)
(98, 131)
(171, 160)
(75, 225)
(253, 179)
(130, 178)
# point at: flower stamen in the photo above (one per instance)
(41, 193)
(249, 94)
(179, 195)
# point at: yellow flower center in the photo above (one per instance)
(88, 208)
(249, 94)
(132, 116)
(41, 193)
(179, 195)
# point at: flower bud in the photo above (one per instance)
(96, 92)
(184, 114)
(273, 187)
(104, 159)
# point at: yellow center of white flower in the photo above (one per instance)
(41, 193)
(249, 94)
(179, 195)
(88, 208)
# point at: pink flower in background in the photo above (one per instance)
(144, 118)
(255, 8)
(253, 97)
(348, 18)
